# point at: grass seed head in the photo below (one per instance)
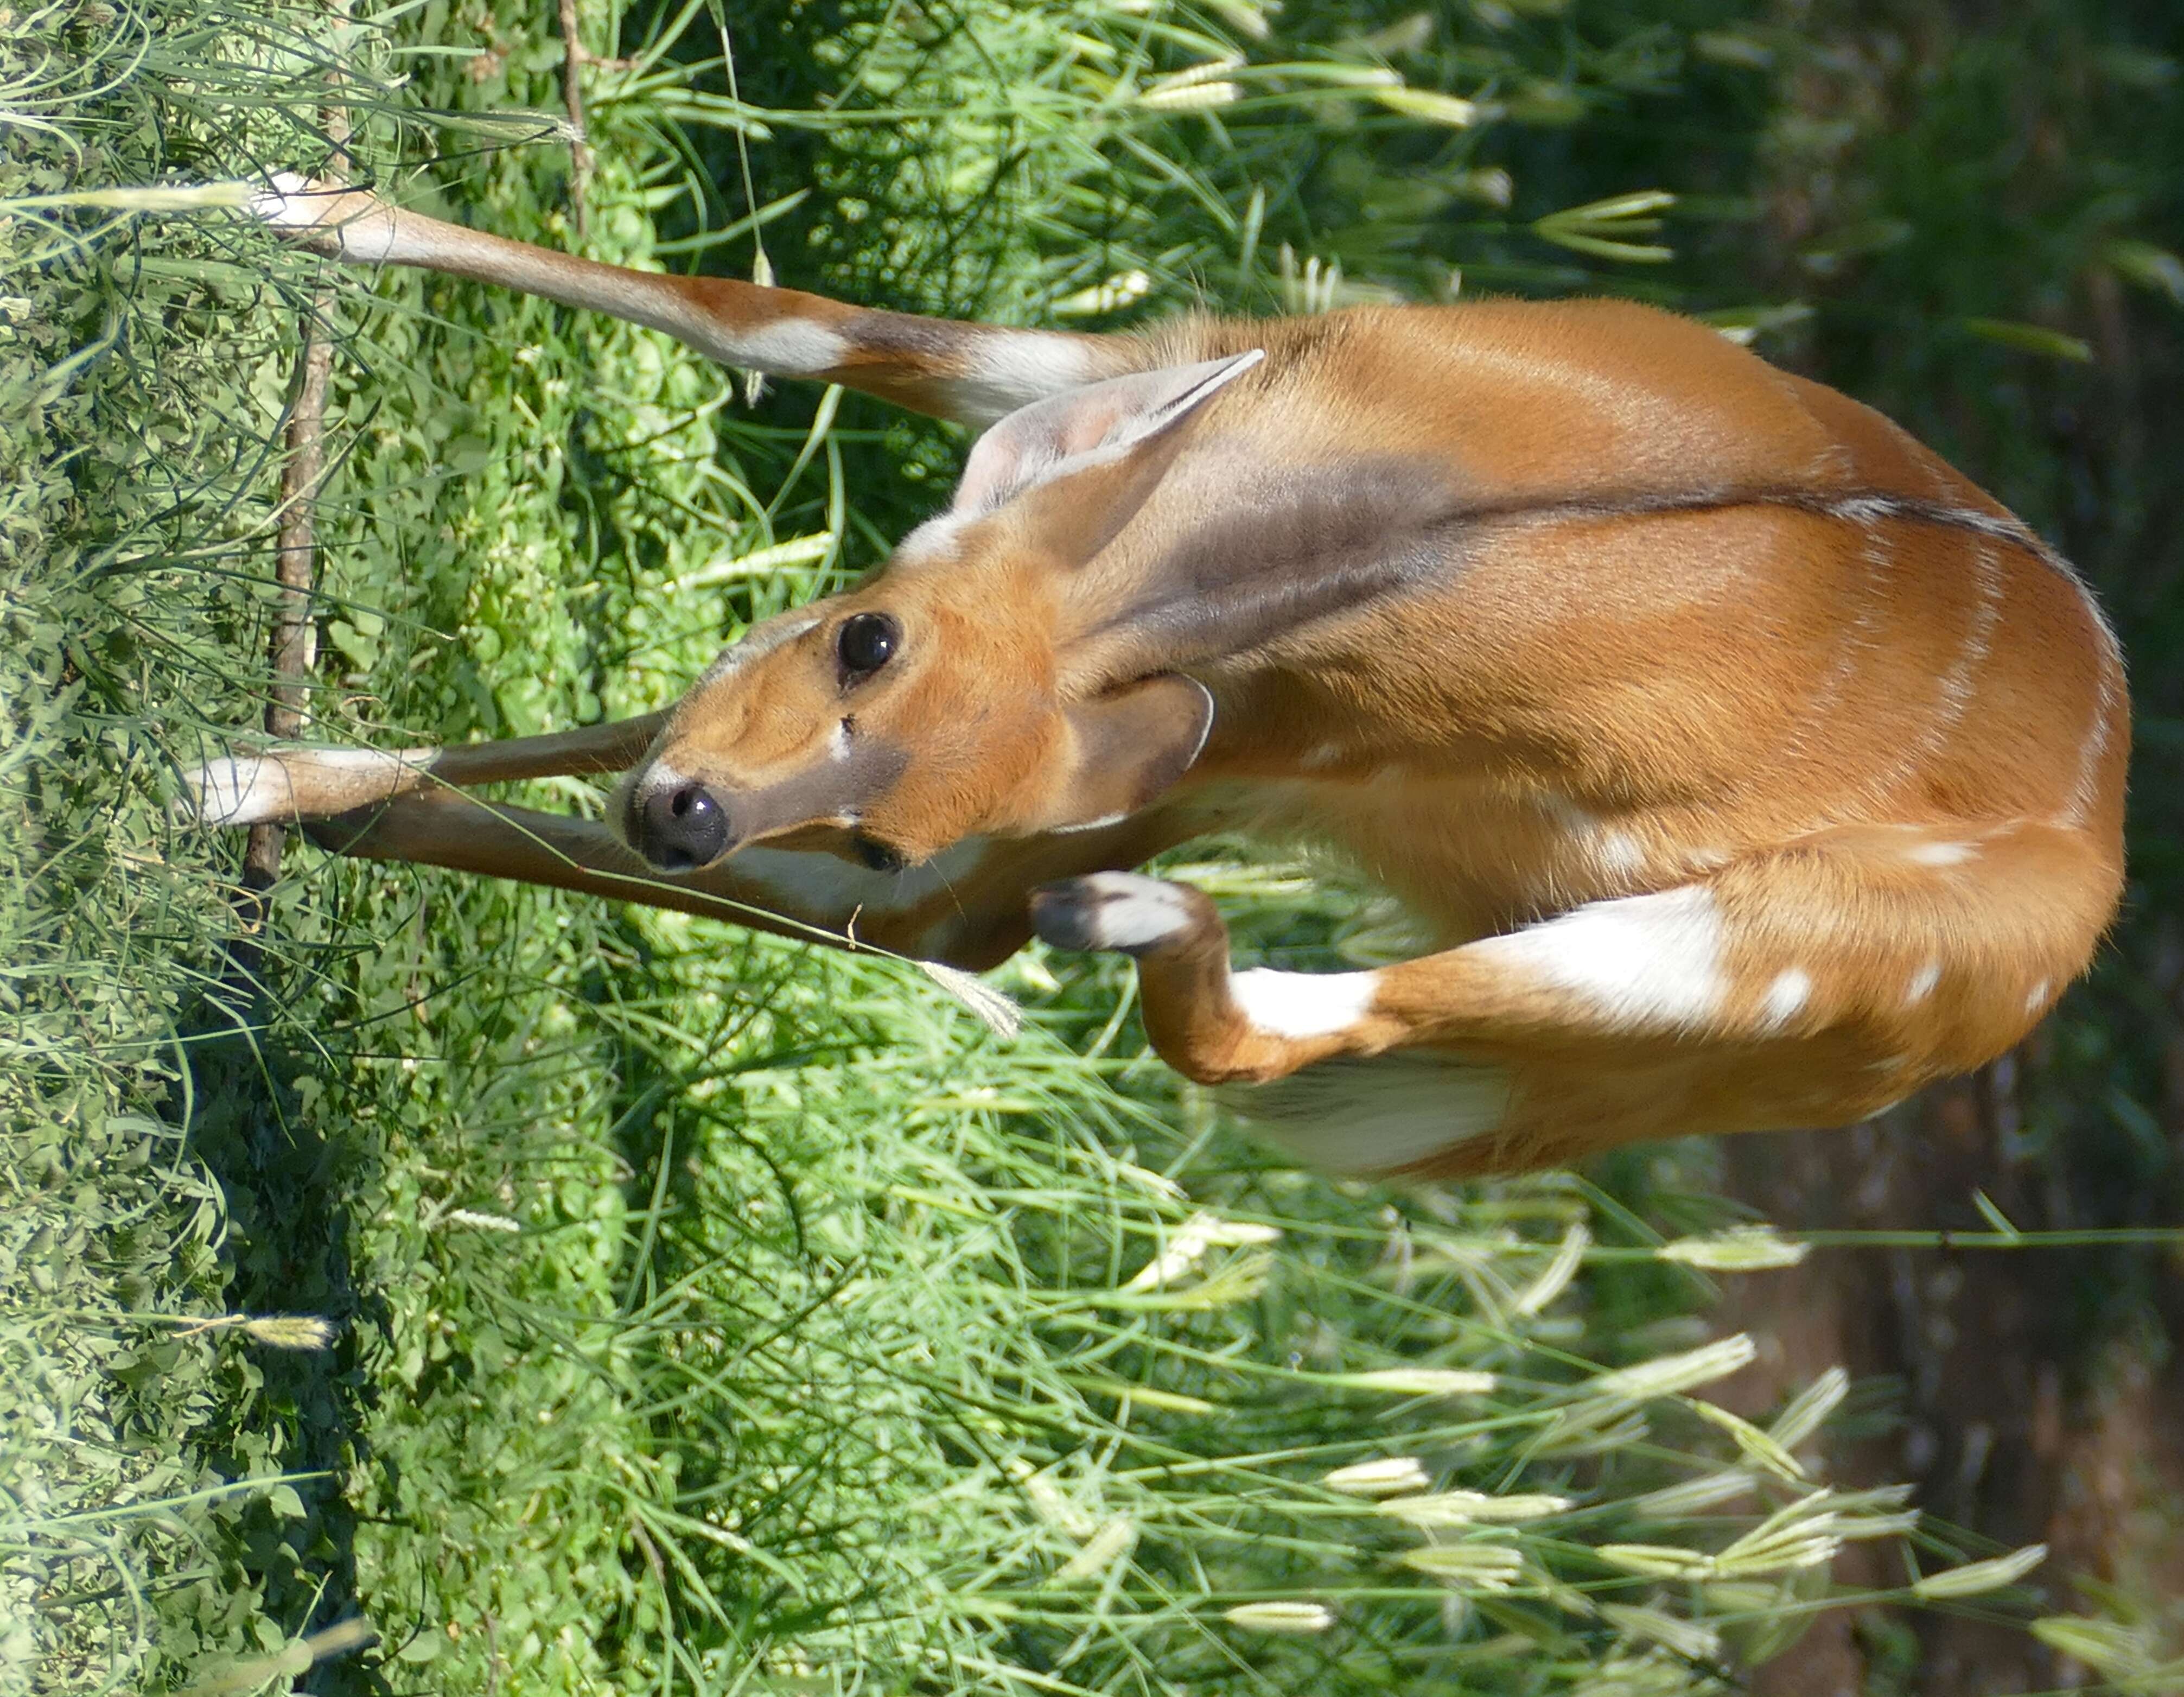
(1420, 1382)
(290, 1331)
(1468, 1508)
(1281, 1617)
(1668, 1375)
(1389, 1477)
(1976, 1578)
(1741, 1250)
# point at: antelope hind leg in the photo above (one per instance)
(1807, 985)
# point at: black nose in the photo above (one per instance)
(681, 829)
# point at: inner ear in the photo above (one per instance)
(1120, 751)
(1067, 432)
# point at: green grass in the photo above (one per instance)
(713, 1314)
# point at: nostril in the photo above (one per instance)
(681, 828)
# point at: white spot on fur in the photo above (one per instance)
(1620, 853)
(1941, 854)
(2038, 998)
(838, 742)
(1322, 755)
(1363, 1117)
(1786, 996)
(1922, 983)
(1644, 961)
(1565, 812)
(1304, 1004)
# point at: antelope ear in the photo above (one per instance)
(1110, 441)
(1121, 749)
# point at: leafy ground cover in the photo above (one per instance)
(706, 1312)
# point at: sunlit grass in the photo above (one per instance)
(709, 1313)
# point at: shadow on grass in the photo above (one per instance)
(288, 1183)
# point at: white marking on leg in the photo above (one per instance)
(1006, 370)
(1618, 854)
(251, 789)
(1132, 911)
(363, 227)
(242, 791)
(1784, 996)
(789, 347)
(1643, 961)
(1304, 1004)
(1922, 983)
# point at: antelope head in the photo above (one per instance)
(936, 701)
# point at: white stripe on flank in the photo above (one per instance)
(1941, 854)
(1644, 961)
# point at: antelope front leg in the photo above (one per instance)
(321, 783)
(966, 906)
(1208, 1024)
(972, 373)
(1809, 986)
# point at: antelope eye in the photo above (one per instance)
(866, 642)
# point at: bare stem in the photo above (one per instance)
(573, 59)
(295, 631)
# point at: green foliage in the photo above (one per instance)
(710, 1311)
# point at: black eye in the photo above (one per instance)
(866, 642)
